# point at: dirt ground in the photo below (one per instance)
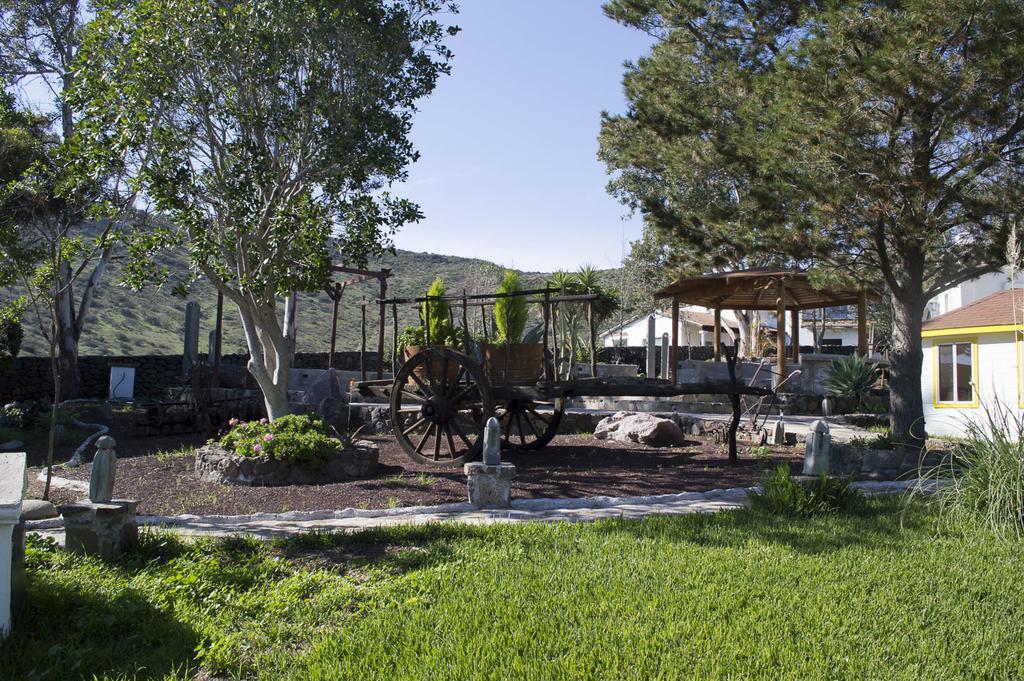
(158, 471)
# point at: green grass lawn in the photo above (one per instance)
(738, 595)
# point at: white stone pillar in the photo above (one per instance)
(12, 488)
(664, 356)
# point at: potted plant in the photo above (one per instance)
(435, 329)
(509, 359)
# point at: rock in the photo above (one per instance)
(37, 509)
(646, 429)
(490, 486)
(779, 433)
(12, 446)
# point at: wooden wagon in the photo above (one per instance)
(441, 398)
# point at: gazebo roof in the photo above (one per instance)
(757, 290)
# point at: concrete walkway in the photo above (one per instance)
(267, 525)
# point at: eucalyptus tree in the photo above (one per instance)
(268, 131)
(880, 139)
(40, 42)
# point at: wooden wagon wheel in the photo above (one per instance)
(440, 402)
(527, 424)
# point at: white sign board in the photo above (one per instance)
(122, 383)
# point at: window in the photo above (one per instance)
(955, 378)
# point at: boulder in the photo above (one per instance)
(645, 429)
(37, 509)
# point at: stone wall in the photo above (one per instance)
(29, 378)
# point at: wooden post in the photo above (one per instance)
(794, 316)
(334, 325)
(546, 312)
(717, 334)
(780, 334)
(862, 324)
(394, 338)
(673, 366)
(593, 339)
(465, 322)
(483, 320)
(362, 346)
(380, 330)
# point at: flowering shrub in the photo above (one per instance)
(297, 437)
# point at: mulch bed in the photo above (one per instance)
(571, 466)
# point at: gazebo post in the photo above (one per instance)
(794, 316)
(862, 323)
(718, 334)
(673, 366)
(780, 333)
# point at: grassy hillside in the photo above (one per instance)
(125, 322)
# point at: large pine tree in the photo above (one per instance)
(879, 139)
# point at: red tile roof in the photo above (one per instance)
(998, 309)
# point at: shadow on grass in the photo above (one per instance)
(69, 633)
(883, 522)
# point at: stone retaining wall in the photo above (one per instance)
(29, 378)
(215, 464)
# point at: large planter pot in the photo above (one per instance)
(216, 464)
(436, 367)
(514, 363)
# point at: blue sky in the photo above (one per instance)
(508, 169)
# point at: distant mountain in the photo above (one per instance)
(125, 322)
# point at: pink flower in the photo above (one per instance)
(263, 420)
(268, 437)
(257, 448)
(232, 422)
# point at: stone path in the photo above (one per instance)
(267, 525)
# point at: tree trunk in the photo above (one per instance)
(269, 358)
(906, 356)
(67, 342)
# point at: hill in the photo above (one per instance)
(150, 321)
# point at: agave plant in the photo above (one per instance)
(852, 377)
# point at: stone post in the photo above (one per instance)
(779, 433)
(12, 488)
(490, 482)
(104, 469)
(818, 449)
(652, 364)
(102, 526)
(190, 351)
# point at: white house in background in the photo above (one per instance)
(696, 327)
(973, 359)
(970, 291)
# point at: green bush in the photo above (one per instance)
(982, 484)
(510, 313)
(292, 438)
(880, 440)
(852, 377)
(782, 495)
(435, 316)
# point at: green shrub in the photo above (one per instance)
(510, 313)
(882, 439)
(434, 315)
(292, 438)
(852, 377)
(782, 495)
(982, 484)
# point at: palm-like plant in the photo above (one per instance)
(852, 377)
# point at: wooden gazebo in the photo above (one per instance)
(778, 290)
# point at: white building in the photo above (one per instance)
(696, 327)
(972, 361)
(970, 291)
